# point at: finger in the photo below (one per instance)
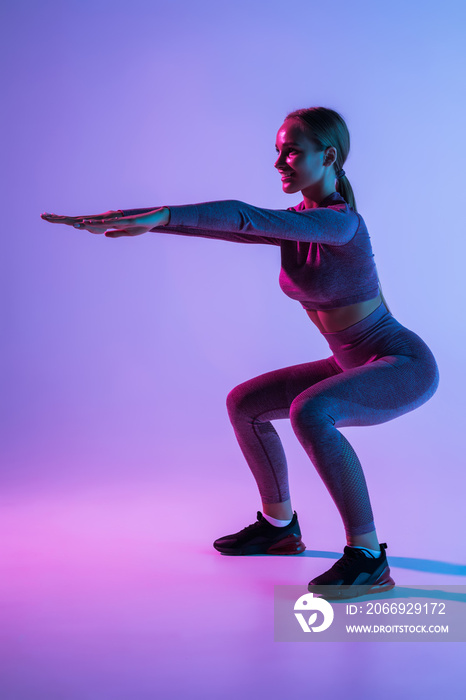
(96, 229)
(59, 217)
(67, 220)
(100, 217)
(104, 224)
(56, 218)
(117, 234)
(93, 228)
(122, 222)
(133, 231)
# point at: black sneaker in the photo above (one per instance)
(263, 538)
(354, 574)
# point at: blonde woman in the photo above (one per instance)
(377, 370)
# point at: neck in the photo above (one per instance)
(314, 195)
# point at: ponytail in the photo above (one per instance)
(344, 188)
(346, 191)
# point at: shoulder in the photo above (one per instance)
(333, 210)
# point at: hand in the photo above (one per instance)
(105, 223)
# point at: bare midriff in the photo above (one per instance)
(334, 320)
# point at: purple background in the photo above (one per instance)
(119, 464)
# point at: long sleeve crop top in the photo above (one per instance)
(326, 254)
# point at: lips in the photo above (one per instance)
(286, 176)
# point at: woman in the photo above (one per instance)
(378, 369)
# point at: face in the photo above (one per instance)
(299, 162)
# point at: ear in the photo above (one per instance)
(330, 155)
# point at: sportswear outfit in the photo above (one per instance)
(378, 369)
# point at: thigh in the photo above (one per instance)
(270, 395)
(373, 393)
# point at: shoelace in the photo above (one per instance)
(347, 560)
(248, 527)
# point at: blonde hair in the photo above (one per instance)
(325, 128)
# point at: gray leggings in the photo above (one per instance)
(379, 370)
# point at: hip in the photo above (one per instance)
(378, 336)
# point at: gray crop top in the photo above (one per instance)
(326, 254)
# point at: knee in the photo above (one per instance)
(310, 412)
(237, 400)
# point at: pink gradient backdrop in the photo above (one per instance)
(119, 465)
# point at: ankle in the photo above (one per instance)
(279, 511)
(277, 522)
(368, 540)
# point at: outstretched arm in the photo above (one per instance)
(231, 220)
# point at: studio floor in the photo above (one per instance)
(108, 593)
